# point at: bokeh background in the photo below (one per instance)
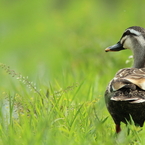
(44, 39)
(41, 37)
(59, 45)
(63, 41)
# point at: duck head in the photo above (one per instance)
(133, 38)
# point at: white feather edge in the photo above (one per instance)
(132, 100)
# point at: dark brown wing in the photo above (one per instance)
(128, 76)
(131, 78)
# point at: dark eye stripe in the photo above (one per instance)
(128, 33)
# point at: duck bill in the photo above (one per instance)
(116, 47)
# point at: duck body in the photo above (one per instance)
(125, 111)
(125, 97)
(125, 94)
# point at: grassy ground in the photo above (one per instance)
(54, 71)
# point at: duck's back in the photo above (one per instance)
(125, 96)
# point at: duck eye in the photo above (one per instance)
(128, 33)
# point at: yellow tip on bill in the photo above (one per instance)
(107, 49)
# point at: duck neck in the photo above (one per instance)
(139, 58)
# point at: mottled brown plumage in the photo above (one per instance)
(125, 94)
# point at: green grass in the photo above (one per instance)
(54, 71)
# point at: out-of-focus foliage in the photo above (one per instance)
(44, 37)
(60, 46)
(54, 32)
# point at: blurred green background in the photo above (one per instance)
(58, 39)
(59, 45)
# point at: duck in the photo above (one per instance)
(125, 93)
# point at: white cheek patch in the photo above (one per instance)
(128, 44)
